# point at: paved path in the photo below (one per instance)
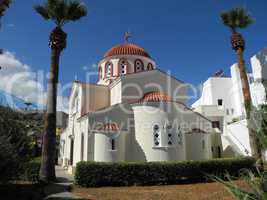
(60, 190)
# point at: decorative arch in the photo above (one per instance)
(108, 69)
(138, 65)
(150, 66)
(99, 73)
(123, 67)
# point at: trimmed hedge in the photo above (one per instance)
(95, 174)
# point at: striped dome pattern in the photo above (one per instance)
(126, 49)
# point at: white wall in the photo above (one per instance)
(198, 146)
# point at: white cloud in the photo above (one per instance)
(19, 80)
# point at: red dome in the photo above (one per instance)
(155, 97)
(126, 49)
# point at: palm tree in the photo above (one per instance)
(60, 12)
(4, 4)
(238, 18)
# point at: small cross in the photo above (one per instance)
(127, 35)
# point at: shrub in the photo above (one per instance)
(94, 174)
(9, 165)
(31, 170)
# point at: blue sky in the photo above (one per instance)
(183, 36)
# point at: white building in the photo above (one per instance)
(135, 112)
(222, 102)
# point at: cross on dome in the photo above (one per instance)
(127, 35)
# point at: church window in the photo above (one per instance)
(156, 133)
(138, 65)
(180, 136)
(169, 134)
(123, 66)
(149, 66)
(113, 144)
(108, 69)
(227, 111)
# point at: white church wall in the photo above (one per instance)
(146, 117)
(115, 93)
(95, 97)
(198, 146)
(103, 151)
(136, 85)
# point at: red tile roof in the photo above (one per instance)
(155, 97)
(109, 127)
(126, 49)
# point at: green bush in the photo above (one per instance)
(94, 174)
(31, 170)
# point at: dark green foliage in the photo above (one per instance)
(16, 147)
(94, 174)
(31, 170)
(236, 18)
(61, 11)
(9, 164)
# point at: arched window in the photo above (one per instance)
(113, 144)
(156, 134)
(169, 134)
(99, 73)
(180, 135)
(82, 147)
(138, 65)
(108, 69)
(123, 67)
(150, 66)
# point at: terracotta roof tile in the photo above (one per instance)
(126, 49)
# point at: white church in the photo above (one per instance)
(135, 112)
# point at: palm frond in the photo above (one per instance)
(42, 10)
(62, 11)
(4, 4)
(76, 10)
(236, 18)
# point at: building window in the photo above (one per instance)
(108, 69)
(156, 133)
(169, 134)
(220, 102)
(227, 111)
(149, 66)
(82, 147)
(215, 124)
(138, 65)
(180, 136)
(123, 67)
(113, 144)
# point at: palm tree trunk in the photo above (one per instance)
(47, 171)
(253, 139)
